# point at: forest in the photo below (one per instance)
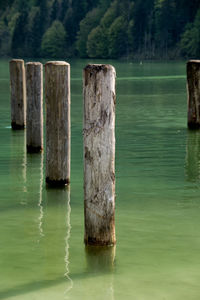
(133, 29)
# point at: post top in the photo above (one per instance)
(16, 60)
(34, 63)
(197, 61)
(57, 63)
(99, 67)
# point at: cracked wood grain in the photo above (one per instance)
(99, 154)
(18, 93)
(57, 94)
(34, 114)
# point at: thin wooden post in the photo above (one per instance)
(193, 87)
(34, 115)
(57, 94)
(99, 154)
(18, 94)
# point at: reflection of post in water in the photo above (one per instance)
(56, 230)
(40, 218)
(24, 164)
(68, 228)
(18, 162)
(35, 185)
(100, 261)
(192, 164)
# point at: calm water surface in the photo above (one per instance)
(157, 257)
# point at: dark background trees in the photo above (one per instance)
(150, 29)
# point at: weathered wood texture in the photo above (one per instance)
(99, 154)
(34, 114)
(57, 95)
(193, 88)
(18, 94)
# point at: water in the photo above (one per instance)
(42, 255)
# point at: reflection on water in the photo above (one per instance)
(18, 163)
(24, 164)
(39, 229)
(19, 157)
(40, 218)
(157, 205)
(56, 230)
(101, 261)
(192, 162)
(66, 259)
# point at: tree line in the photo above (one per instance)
(150, 29)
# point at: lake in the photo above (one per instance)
(157, 255)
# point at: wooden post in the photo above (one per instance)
(193, 87)
(99, 154)
(34, 115)
(57, 94)
(18, 93)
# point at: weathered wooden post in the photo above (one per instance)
(193, 87)
(34, 114)
(57, 94)
(99, 154)
(18, 94)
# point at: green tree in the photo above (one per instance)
(55, 11)
(118, 38)
(141, 15)
(150, 29)
(166, 26)
(97, 44)
(190, 39)
(12, 22)
(18, 42)
(104, 4)
(44, 15)
(4, 39)
(86, 25)
(5, 3)
(63, 9)
(75, 13)
(98, 39)
(54, 41)
(109, 16)
(34, 35)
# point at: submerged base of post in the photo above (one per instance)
(16, 126)
(100, 258)
(193, 90)
(193, 126)
(95, 242)
(32, 149)
(57, 183)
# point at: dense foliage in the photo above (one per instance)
(100, 28)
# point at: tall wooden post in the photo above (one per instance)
(57, 94)
(34, 115)
(18, 94)
(99, 154)
(193, 87)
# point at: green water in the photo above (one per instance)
(157, 256)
